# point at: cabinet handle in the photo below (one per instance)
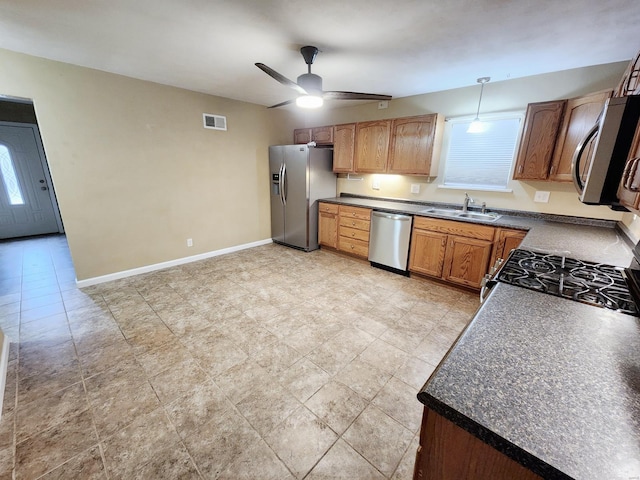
(631, 174)
(634, 185)
(520, 169)
(553, 167)
(353, 223)
(354, 214)
(625, 174)
(352, 247)
(353, 234)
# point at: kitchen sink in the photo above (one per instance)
(487, 217)
(441, 211)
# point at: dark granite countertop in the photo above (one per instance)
(589, 239)
(554, 384)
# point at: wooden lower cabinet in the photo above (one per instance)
(457, 252)
(448, 452)
(466, 260)
(505, 240)
(328, 224)
(354, 224)
(427, 252)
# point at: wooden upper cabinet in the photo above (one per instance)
(322, 135)
(301, 135)
(415, 141)
(629, 189)
(580, 116)
(372, 146)
(344, 139)
(540, 132)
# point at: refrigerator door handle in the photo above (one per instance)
(283, 187)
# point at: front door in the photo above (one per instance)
(26, 205)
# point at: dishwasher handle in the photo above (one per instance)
(392, 216)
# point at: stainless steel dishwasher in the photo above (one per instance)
(389, 241)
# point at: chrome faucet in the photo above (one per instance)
(467, 200)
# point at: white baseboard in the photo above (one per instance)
(172, 263)
(4, 364)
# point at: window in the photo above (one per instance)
(9, 177)
(482, 160)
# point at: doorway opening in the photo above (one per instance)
(28, 204)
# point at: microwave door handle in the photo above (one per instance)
(577, 157)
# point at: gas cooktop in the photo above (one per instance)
(587, 282)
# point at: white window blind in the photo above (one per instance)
(482, 160)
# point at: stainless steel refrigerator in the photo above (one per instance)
(299, 176)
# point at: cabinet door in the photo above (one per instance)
(505, 241)
(328, 229)
(628, 194)
(302, 135)
(580, 115)
(427, 252)
(372, 146)
(322, 135)
(344, 139)
(466, 260)
(541, 126)
(415, 141)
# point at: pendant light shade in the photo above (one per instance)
(309, 101)
(477, 126)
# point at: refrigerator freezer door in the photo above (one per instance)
(296, 192)
(276, 179)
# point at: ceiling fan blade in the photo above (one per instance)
(282, 104)
(281, 78)
(354, 96)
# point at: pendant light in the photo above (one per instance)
(477, 126)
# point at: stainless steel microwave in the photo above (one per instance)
(600, 158)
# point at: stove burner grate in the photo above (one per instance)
(587, 282)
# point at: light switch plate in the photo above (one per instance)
(383, 104)
(415, 188)
(375, 184)
(541, 197)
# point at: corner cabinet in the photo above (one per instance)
(457, 252)
(328, 224)
(372, 146)
(580, 116)
(344, 141)
(541, 126)
(415, 141)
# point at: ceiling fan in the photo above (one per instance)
(309, 85)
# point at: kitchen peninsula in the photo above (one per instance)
(549, 387)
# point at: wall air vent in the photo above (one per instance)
(216, 122)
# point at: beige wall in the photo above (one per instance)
(136, 173)
(511, 95)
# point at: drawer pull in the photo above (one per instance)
(353, 223)
(353, 234)
(352, 247)
(354, 214)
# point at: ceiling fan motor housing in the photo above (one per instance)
(311, 83)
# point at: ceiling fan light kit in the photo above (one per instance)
(477, 126)
(309, 85)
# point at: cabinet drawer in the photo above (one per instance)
(463, 229)
(328, 208)
(353, 233)
(351, 245)
(355, 212)
(355, 223)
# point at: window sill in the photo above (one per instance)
(477, 189)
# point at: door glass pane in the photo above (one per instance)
(9, 177)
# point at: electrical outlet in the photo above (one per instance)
(541, 197)
(415, 188)
(383, 104)
(375, 184)
(189, 242)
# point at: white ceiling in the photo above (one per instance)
(393, 47)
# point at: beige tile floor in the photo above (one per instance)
(266, 363)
